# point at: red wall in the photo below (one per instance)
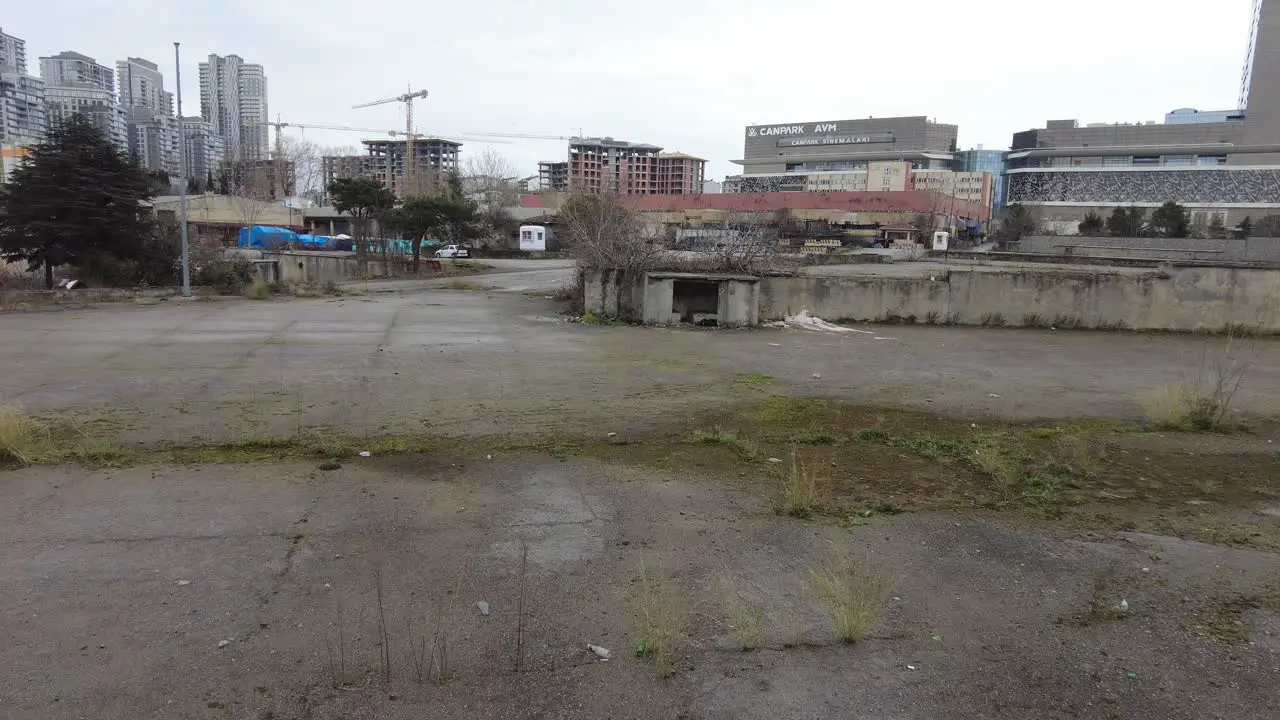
(907, 201)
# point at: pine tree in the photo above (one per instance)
(75, 197)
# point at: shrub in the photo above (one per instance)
(227, 277)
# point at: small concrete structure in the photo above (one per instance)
(668, 298)
(701, 299)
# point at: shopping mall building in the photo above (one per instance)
(867, 155)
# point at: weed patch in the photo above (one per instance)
(746, 449)
(873, 435)
(791, 411)
(593, 319)
(758, 381)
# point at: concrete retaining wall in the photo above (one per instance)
(1229, 250)
(324, 267)
(1183, 299)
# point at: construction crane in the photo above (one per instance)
(279, 126)
(524, 136)
(407, 99)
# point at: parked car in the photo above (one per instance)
(453, 251)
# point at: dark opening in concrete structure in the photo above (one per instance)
(696, 301)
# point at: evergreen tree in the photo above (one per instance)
(75, 197)
(1091, 226)
(1171, 220)
(1244, 229)
(364, 199)
(1127, 222)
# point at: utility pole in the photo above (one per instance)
(182, 172)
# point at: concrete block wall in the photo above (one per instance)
(1184, 299)
(1254, 250)
(321, 268)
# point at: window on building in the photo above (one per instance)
(1116, 161)
(1211, 160)
(1146, 160)
(1177, 159)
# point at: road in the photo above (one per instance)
(505, 275)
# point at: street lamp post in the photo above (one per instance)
(182, 171)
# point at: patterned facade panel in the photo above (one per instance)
(1201, 187)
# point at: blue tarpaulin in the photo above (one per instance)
(314, 241)
(265, 237)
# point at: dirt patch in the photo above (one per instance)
(325, 587)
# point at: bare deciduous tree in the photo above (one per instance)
(308, 168)
(249, 188)
(491, 179)
(602, 233)
(746, 244)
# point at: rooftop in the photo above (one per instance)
(442, 141)
(610, 142)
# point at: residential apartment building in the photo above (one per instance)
(76, 84)
(13, 52)
(205, 151)
(233, 99)
(22, 112)
(151, 126)
(1221, 165)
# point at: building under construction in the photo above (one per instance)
(553, 175)
(432, 158)
(606, 165)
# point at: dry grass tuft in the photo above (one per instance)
(1167, 407)
(854, 596)
(22, 439)
(659, 631)
(1201, 403)
(746, 620)
(801, 489)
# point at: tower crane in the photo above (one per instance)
(407, 99)
(524, 136)
(279, 126)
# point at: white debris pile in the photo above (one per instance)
(804, 321)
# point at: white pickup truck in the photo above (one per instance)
(453, 251)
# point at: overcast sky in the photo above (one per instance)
(687, 75)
